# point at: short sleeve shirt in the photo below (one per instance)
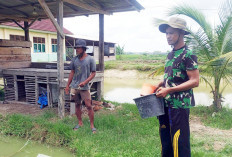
(83, 69)
(177, 64)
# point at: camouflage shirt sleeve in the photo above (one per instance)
(190, 61)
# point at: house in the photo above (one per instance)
(43, 36)
(93, 47)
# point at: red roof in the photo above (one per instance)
(43, 25)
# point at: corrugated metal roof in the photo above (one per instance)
(26, 10)
(43, 25)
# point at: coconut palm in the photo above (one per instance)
(213, 47)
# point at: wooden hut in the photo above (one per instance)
(22, 76)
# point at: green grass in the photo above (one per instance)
(140, 57)
(119, 133)
(136, 62)
(221, 120)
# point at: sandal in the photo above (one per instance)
(77, 127)
(94, 130)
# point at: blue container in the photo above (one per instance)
(150, 106)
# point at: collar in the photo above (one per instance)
(180, 48)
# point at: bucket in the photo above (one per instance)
(150, 106)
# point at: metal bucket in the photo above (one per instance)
(150, 106)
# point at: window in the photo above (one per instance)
(39, 44)
(17, 37)
(54, 45)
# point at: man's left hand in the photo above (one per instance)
(162, 92)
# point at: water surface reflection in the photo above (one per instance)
(124, 91)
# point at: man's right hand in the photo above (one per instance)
(67, 90)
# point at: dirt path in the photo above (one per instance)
(213, 138)
(6, 108)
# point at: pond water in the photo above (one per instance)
(15, 147)
(125, 90)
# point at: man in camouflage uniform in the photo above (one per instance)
(181, 75)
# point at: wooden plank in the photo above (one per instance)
(18, 18)
(13, 58)
(100, 88)
(51, 17)
(14, 51)
(16, 88)
(11, 43)
(8, 65)
(88, 7)
(101, 42)
(60, 60)
(26, 31)
(36, 90)
(72, 108)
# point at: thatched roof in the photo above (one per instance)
(27, 10)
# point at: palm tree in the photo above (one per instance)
(213, 47)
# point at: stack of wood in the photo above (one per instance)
(15, 54)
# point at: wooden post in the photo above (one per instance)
(26, 31)
(60, 59)
(16, 88)
(51, 17)
(101, 42)
(100, 85)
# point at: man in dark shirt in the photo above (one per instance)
(83, 70)
(180, 76)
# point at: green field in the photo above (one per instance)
(120, 133)
(143, 62)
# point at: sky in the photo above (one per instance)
(136, 30)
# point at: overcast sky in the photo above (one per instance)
(135, 30)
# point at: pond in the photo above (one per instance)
(125, 90)
(15, 147)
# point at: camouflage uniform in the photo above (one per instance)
(176, 67)
(174, 125)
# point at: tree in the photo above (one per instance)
(120, 51)
(213, 47)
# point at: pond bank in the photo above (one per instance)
(115, 133)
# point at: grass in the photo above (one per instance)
(221, 120)
(136, 62)
(120, 133)
(141, 57)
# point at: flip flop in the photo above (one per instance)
(94, 130)
(77, 127)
